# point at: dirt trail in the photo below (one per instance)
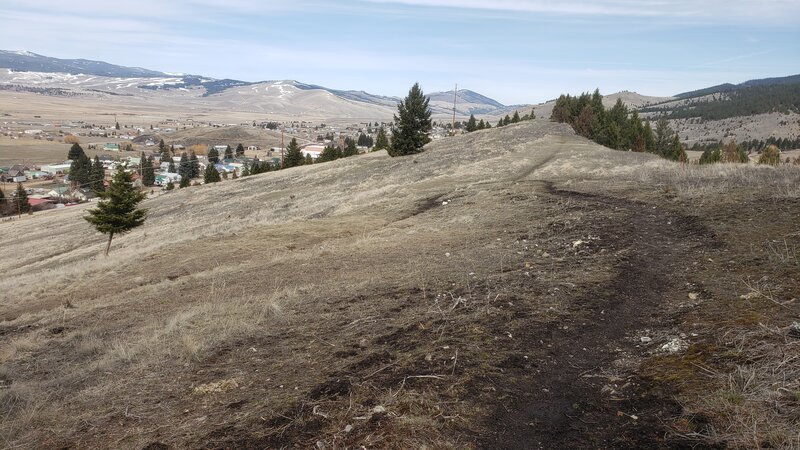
(561, 406)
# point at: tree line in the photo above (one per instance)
(617, 128)
(783, 98)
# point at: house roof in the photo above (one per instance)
(38, 201)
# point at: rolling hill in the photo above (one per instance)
(504, 287)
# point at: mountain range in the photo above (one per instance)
(753, 109)
(80, 77)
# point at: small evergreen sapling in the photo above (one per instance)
(117, 211)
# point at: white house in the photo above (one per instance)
(56, 168)
(315, 150)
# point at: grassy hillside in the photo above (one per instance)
(490, 292)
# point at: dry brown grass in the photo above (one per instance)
(231, 296)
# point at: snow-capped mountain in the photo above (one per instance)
(29, 72)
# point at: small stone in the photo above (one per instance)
(674, 346)
(545, 255)
(348, 428)
(693, 295)
(378, 409)
(645, 339)
(794, 330)
(447, 254)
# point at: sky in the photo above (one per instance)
(515, 51)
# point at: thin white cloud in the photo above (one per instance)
(718, 10)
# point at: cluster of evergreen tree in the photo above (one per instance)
(257, 167)
(332, 152)
(365, 140)
(755, 145)
(211, 174)
(509, 120)
(728, 153)
(741, 102)
(188, 168)
(17, 204)
(473, 125)
(83, 173)
(617, 128)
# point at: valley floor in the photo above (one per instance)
(511, 288)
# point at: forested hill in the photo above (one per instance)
(727, 100)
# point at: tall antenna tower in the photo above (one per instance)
(455, 98)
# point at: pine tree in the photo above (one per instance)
(649, 139)
(161, 146)
(516, 118)
(194, 166)
(185, 181)
(293, 157)
(472, 125)
(413, 124)
(213, 156)
(506, 120)
(117, 211)
(308, 160)
(21, 205)
(171, 168)
(184, 170)
(211, 175)
(98, 175)
(255, 169)
(228, 152)
(75, 152)
(663, 137)
(381, 141)
(350, 148)
(532, 115)
(481, 125)
(170, 186)
(148, 172)
(245, 170)
(80, 170)
(3, 203)
(239, 151)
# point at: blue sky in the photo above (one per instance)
(523, 51)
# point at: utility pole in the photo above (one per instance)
(455, 97)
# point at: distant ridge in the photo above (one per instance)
(31, 62)
(80, 76)
(728, 87)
